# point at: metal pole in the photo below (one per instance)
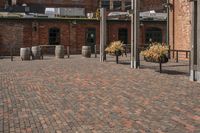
(168, 7)
(132, 33)
(100, 52)
(95, 51)
(102, 34)
(68, 52)
(177, 56)
(11, 52)
(136, 33)
(167, 40)
(193, 40)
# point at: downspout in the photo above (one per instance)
(173, 24)
(167, 41)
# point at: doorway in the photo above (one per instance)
(123, 35)
(153, 35)
(91, 38)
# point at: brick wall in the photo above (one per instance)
(180, 25)
(90, 5)
(113, 28)
(11, 35)
(28, 32)
(70, 34)
(2, 3)
(22, 34)
(81, 34)
(148, 25)
(147, 5)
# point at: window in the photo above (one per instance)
(91, 38)
(105, 4)
(128, 5)
(153, 35)
(54, 36)
(117, 5)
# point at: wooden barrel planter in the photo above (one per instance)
(25, 53)
(86, 51)
(36, 52)
(59, 51)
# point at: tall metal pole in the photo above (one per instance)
(132, 33)
(168, 8)
(193, 58)
(101, 60)
(103, 33)
(137, 34)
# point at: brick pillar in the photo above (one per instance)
(35, 34)
(142, 35)
(99, 4)
(111, 5)
(123, 5)
(2, 4)
(73, 39)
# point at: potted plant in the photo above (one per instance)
(115, 48)
(156, 53)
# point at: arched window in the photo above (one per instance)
(54, 36)
(153, 35)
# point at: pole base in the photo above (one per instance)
(135, 64)
(195, 76)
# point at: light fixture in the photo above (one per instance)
(167, 5)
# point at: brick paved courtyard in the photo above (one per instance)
(79, 95)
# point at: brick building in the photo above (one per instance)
(76, 32)
(180, 25)
(156, 5)
(2, 4)
(123, 5)
(89, 5)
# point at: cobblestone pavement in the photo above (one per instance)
(79, 95)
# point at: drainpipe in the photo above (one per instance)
(173, 28)
(167, 41)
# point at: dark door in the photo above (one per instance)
(91, 38)
(153, 35)
(123, 35)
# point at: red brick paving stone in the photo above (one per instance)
(187, 126)
(159, 131)
(84, 95)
